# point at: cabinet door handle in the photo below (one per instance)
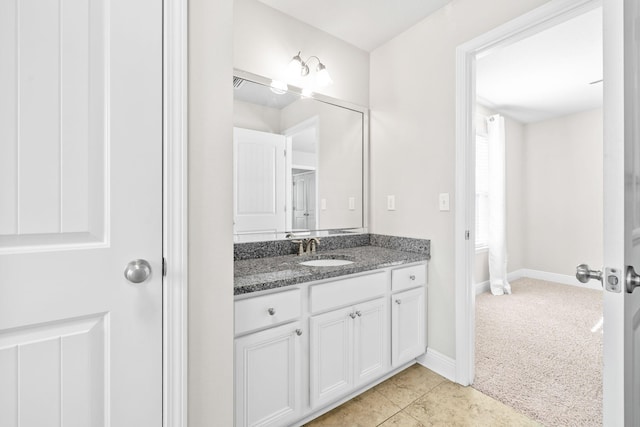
(412, 277)
(398, 301)
(271, 311)
(352, 315)
(359, 313)
(298, 332)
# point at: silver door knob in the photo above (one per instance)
(137, 271)
(583, 274)
(632, 279)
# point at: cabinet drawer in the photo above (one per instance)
(258, 312)
(408, 277)
(347, 291)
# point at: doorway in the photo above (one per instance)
(467, 54)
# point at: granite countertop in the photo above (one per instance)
(253, 275)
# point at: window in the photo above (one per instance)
(482, 191)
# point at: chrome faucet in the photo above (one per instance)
(307, 246)
(312, 244)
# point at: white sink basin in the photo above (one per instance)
(326, 262)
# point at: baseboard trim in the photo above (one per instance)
(483, 287)
(439, 363)
(564, 279)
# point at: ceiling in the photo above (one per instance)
(366, 24)
(546, 75)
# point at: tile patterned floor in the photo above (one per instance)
(418, 397)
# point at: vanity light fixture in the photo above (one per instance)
(298, 67)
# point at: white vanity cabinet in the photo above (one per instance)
(268, 368)
(268, 363)
(349, 347)
(301, 350)
(408, 326)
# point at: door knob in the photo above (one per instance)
(137, 271)
(632, 279)
(583, 274)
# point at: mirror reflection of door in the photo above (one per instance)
(259, 182)
(302, 143)
(304, 197)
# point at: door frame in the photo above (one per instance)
(174, 212)
(539, 19)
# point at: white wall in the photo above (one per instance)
(412, 103)
(564, 193)
(265, 40)
(210, 354)
(554, 194)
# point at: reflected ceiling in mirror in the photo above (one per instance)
(298, 163)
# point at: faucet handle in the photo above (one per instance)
(300, 244)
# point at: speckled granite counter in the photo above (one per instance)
(258, 274)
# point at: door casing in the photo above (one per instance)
(175, 215)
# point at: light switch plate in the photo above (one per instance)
(352, 203)
(323, 204)
(391, 203)
(444, 201)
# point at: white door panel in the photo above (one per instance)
(259, 181)
(331, 351)
(371, 340)
(621, 370)
(407, 326)
(80, 197)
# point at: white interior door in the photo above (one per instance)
(621, 352)
(304, 189)
(80, 197)
(259, 181)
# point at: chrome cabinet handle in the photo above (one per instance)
(412, 277)
(398, 301)
(271, 311)
(352, 315)
(359, 313)
(137, 271)
(298, 332)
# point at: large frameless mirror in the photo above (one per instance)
(299, 162)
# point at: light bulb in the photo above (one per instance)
(323, 78)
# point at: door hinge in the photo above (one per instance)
(164, 267)
(467, 235)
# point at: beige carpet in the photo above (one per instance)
(539, 351)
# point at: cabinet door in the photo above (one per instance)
(268, 377)
(371, 341)
(408, 337)
(331, 355)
